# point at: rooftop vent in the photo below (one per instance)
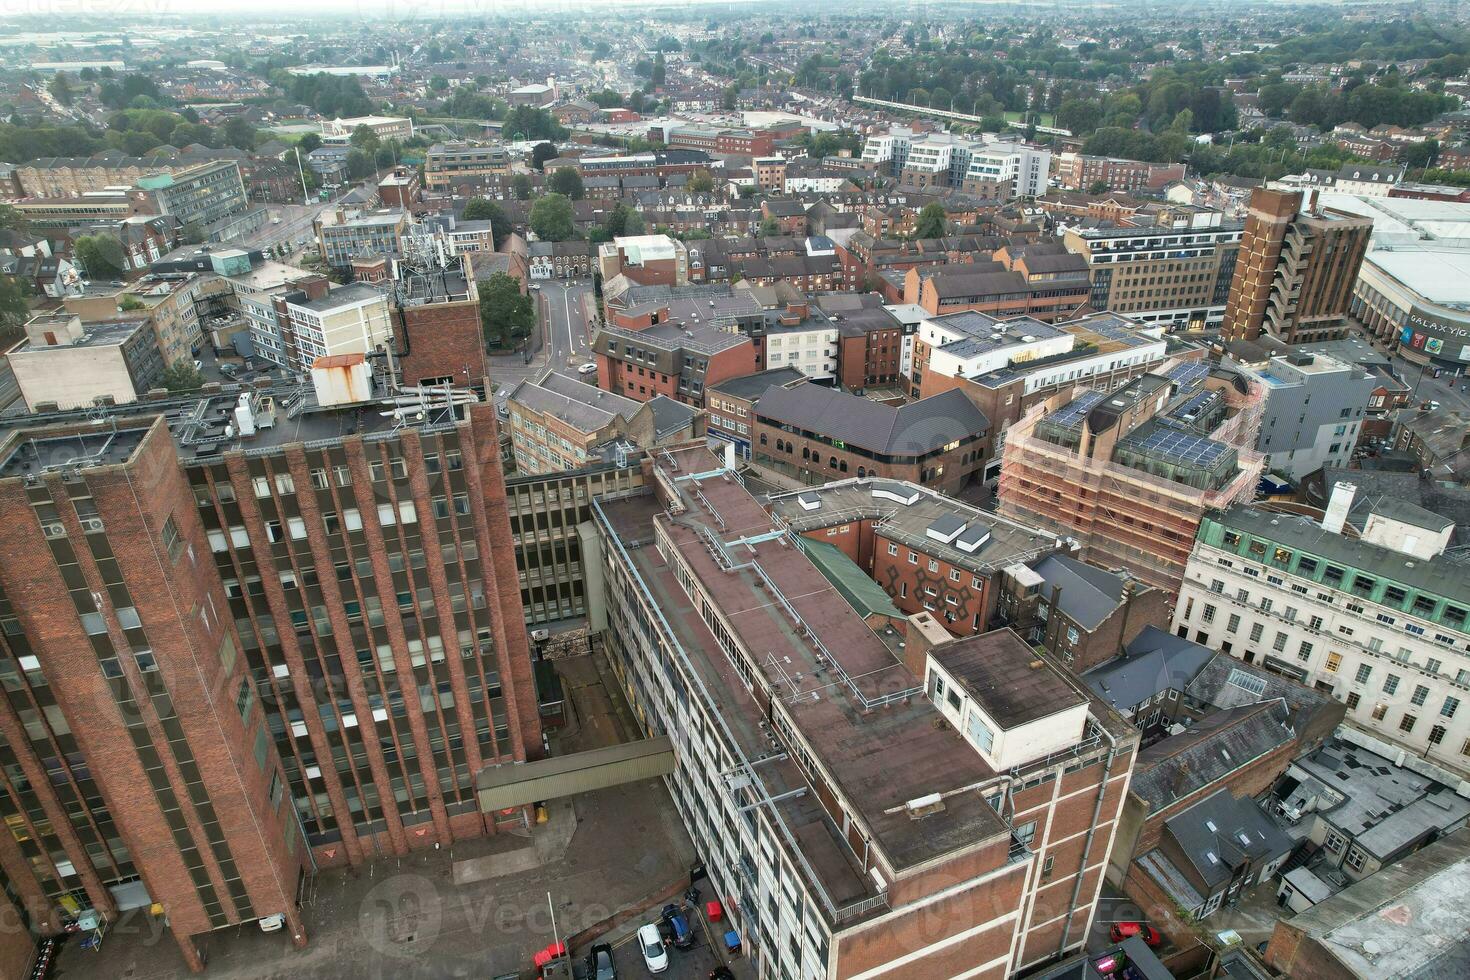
(924, 805)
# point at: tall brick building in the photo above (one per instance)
(203, 628)
(1296, 270)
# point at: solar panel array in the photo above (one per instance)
(1071, 414)
(1176, 446)
(1188, 374)
(1190, 410)
(1114, 327)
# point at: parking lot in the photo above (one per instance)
(694, 963)
(605, 862)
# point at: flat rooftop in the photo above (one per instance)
(858, 708)
(352, 293)
(95, 333)
(1009, 680)
(1408, 920)
(1383, 807)
(202, 424)
(882, 501)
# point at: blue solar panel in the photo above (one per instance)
(1177, 446)
(1072, 413)
(1188, 374)
(1196, 404)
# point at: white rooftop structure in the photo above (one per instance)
(642, 249)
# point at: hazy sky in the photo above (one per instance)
(47, 11)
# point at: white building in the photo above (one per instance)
(1367, 179)
(350, 319)
(986, 166)
(1314, 411)
(814, 185)
(1379, 618)
(1020, 168)
(384, 127)
(970, 344)
(810, 347)
(255, 292)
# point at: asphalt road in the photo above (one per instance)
(1448, 390)
(560, 314)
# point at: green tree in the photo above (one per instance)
(700, 182)
(623, 220)
(506, 314)
(566, 181)
(100, 255)
(182, 376)
(520, 186)
(309, 142)
(551, 218)
(60, 89)
(932, 222)
(1419, 155)
(12, 219)
(484, 209)
(364, 139)
(240, 133)
(360, 163)
(14, 308)
(542, 152)
(439, 83)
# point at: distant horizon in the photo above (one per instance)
(131, 12)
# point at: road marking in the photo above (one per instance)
(566, 302)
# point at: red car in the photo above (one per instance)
(1122, 930)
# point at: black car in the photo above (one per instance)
(600, 965)
(721, 973)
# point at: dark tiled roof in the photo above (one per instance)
(1155, 661)
(1221, 831)
(1089, 594)
(752, 386)
(1218, 745)
(917, 428)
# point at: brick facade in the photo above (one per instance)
(334, 627)
(444, 340)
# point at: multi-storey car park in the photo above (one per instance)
(243, 626)
(864, 807)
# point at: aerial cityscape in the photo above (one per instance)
(735, 490)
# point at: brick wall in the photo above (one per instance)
(443, 340)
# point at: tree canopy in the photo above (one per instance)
(551, 218)
(506, 314)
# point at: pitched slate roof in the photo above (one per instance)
(1155, 662)
(1222, 831)
(1218, 745)
(914, 429)
(1089, 594)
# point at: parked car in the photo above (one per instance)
(655, 957)
(600, 964)
(721, 973)
(589, 368)
(1122, 930)
(683, 936)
